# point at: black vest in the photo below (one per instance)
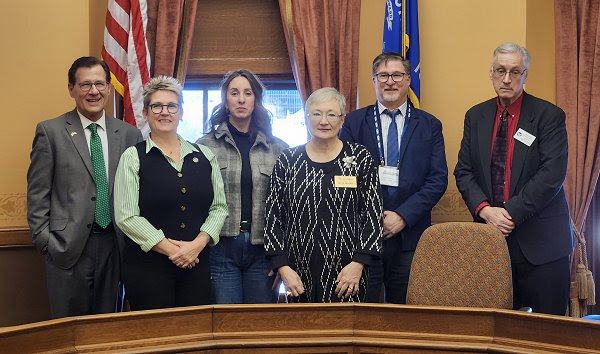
(176, 203)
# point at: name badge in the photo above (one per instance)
(524, 137)
(389, 176)
(344, 181)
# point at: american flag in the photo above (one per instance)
(126, 52)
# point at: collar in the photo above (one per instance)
(86, 122)
(185, 146)
(402, 107)
(514, 108)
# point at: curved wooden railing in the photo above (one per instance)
(300, 328)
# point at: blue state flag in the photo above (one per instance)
(401, 34)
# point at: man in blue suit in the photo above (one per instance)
(408, 145)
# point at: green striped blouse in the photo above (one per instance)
(127, 211)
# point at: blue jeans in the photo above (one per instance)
(239, 272)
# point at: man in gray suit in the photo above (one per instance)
(69, 195)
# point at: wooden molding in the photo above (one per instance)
(315, 328)
(15, 237)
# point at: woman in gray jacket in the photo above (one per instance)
(241, 137)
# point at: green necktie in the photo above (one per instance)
(102, 207)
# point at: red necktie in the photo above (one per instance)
(498, 163)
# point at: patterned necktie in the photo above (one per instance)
(102, 213)
(498, 162)
(393, 153)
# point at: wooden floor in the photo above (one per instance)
(308, 328)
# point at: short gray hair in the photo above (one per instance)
(326, 94)
(162, 83)
(508, 47)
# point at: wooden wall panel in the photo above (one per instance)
(13, 209)
(23, 294)
(312, 328)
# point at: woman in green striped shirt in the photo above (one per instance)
(170, 202)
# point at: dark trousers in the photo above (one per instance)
(91, 285)
(154, 282)
(393, 270)
(544, 287)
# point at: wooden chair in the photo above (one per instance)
(461, 264)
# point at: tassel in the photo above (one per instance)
(583, 310)
(575, 308)
(581, 281)
(591, 289)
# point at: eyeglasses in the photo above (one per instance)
(331, 117)
(86, 86)
(396, 77)
(157, 108)
(501, 73)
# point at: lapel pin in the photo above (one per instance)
(195, 159)
(73, 134)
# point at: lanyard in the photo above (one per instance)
(379, 133)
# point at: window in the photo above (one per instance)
(284, 104)
(256, 42)
(288, 115)
(197, 104)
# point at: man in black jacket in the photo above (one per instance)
(511, 167)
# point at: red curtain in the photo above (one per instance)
(578, 94)
(322, 39)
(169, 34)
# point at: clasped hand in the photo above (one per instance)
(186, 253)
(498, 217)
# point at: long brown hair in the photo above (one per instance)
(261, 117)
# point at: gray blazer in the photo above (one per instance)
(60, 184)
(263, 155)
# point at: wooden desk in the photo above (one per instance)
(302, 328)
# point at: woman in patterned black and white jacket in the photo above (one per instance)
(324, 214)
